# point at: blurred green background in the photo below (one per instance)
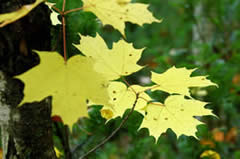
(203, 34)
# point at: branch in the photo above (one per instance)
(73, 10)
(114, 132)
(64, 32)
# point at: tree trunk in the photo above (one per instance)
(26, 130)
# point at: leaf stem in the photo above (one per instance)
(64, 39)
(155, 86)
(64, 32)
(63, 13)
(126, 82)
(73, 10)
(63, 6)
(114, 132)
(58, 10)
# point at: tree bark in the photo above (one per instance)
(26, 130)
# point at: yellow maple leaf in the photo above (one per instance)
(210, 154)
(123, 98)
(58, 153)
(112, 12)
(53, 15)
(119, 61)
(8, 18)
(70, 85)
(178, 80)
(177, 113)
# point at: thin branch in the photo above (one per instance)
(153, 103)
(155, 86)
(158, 104)
(114, 132)
(64, 39)
(73, 10)
(126, 82)
(63, 6)
(64, 32)
(58, 10)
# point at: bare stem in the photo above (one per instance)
(63, 6)
(126, 82)
(64, 39)
(73, 10)
(58, 10)
(114, 132)
(64, 32)
(149, 88)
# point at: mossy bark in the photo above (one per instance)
(26, 130)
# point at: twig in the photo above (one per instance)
(64, 32)
(73, 10)
(58, 10)
(114, 132)
(155, 86)
(64, 39)
(126, 82)
(63, 6)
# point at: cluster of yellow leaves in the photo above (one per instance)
(90, 77)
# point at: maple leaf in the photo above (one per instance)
(8, 18)
(116, 12)
(177, 113)
(178, 80)
(210, 154)
(54, 15)
(119, 61)
(123, 98)
(70, 85)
